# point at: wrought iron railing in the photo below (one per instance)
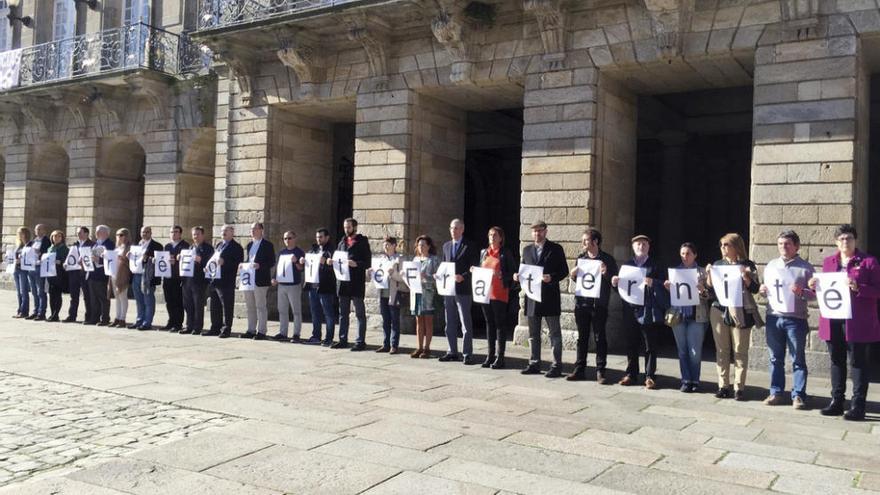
(133, 46)
(222, 13)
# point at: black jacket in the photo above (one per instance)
(467, 256)
(175, 266)
(359, 252)
(42, 243)
(508, 266)
(326, 275)
(204, 251)
(232, 255)
(149, 254)
(266, 259)
(610, 271)
(656, 297)
(98, 275)
(553, 260)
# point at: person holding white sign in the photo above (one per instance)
(144, 284)
(503, 265)
(689, 309)
(57, 283)
(76, 278)
(22, 277)
(195, 287)
(648, 318)
(172, 287)
(322, 295)
(592, 277)
(121, 281)
(732, 325)
(289, 281)
(785, 287)
(230, 254)
(351, 292)
(551, 257)
(260, 253)
(39, 246)
(389, 298)
(457, 308)
(422, 305)
(855, 335)
(97, 278)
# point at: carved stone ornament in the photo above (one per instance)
(156, 91)
(551, 24)
(372, 34)
(668, 19)
(450, 33)
(799, 18)
(243, 67)
(302, 55)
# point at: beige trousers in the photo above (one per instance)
(726, 339)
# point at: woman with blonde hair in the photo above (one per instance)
(121, 280)
(22, 284)
(58, 283)
(732, 326)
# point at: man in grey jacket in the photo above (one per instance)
(787, 327)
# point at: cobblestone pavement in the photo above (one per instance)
(87, 410)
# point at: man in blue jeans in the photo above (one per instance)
(143, 285)
(787, 327)
(41, 244)
(322, 296)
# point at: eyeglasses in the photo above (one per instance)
(725, 244)
(845, 238)
(288, 238)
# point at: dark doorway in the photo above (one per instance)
(343, 163)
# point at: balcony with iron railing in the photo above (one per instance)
(116, 51)
(216, 14)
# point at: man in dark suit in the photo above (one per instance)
(172, 287)
(223, 289)
(458, 307)
(552, 257)
(40, 243)
(97, 279)
(195, 288)
(261, 253)
(351, 292)
(646, 321)
(76, 280)
(143, 285)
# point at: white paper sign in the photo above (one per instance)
(832, 294)
(72, 261)
(412, 277)
(445, 277)
(247, 276)
(530, 278)
(312, 269)
(47, 265)
(111, 262)
(284, 269)
(481, 284)
(162, 264)
(29, 259)
(212, 267)
(631, 284)
(87, 262)
(136, 260)
(589, 278)
(728, 284)
(779, 294)
(380, 274)
(684, 287)
(340, 266)
(187, 262)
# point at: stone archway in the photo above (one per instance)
(47, 192)
(119, 184)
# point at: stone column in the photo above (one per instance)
(15, 213)
(809, 161)
(160, 180)
(82, 194)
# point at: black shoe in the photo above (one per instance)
(739, 396)
(185, 331)
(279, 337)
(686, 388)
(296, 340)
(260, 336)
(312, 341)
(30, 317)
(855, 414)
(327, 343)
(248, 335)
(92, 323)
(577, 375)
(53, 319)
(835, 408)
(211, 333)
(468, 360)
(488, 362)
(448, 358)
(145, 327)
(531, 369)
(383, 349)
(553, 372)
(724, 393)
(40, 318)
(358, 347)
(104, 324)
(176, 329)
(225, 334)
(133, 326)
(694, 388)
(69, 319)
(498, 364)
(342, 344)
(167, 327)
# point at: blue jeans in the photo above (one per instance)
(390, 323)
(360, 311)
(780, 331)
(689, 342)
(38, 290)
(22, 290)
(323, 312)
(144, 300)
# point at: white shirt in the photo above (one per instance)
(255, 246)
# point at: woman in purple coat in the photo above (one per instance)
(855, 335)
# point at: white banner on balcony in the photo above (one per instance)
(10, 68)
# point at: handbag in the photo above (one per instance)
(672, 317)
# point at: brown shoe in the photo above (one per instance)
(416, 353)
(393, 350)
(626, 381)
(773, 400)
(600, 378)
(649, 384)
(426, 354)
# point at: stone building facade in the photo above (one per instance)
(682, 119)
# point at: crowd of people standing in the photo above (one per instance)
(331, 299)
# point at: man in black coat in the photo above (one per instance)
(322, 296)
(261, 253)
(97, 279)
(173, 287)
(76, 280)
(143, 285)
(223, 289)
(195, 291)
(457, 308)
(351, 292)
(552, 257)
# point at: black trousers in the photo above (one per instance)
(77, 282)
(496, 326)
(194, 297)
(859, 361)
(100, 301)
(645, 336)
(173, 290)
(222, 302)
(54, 300)
(591, 319)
